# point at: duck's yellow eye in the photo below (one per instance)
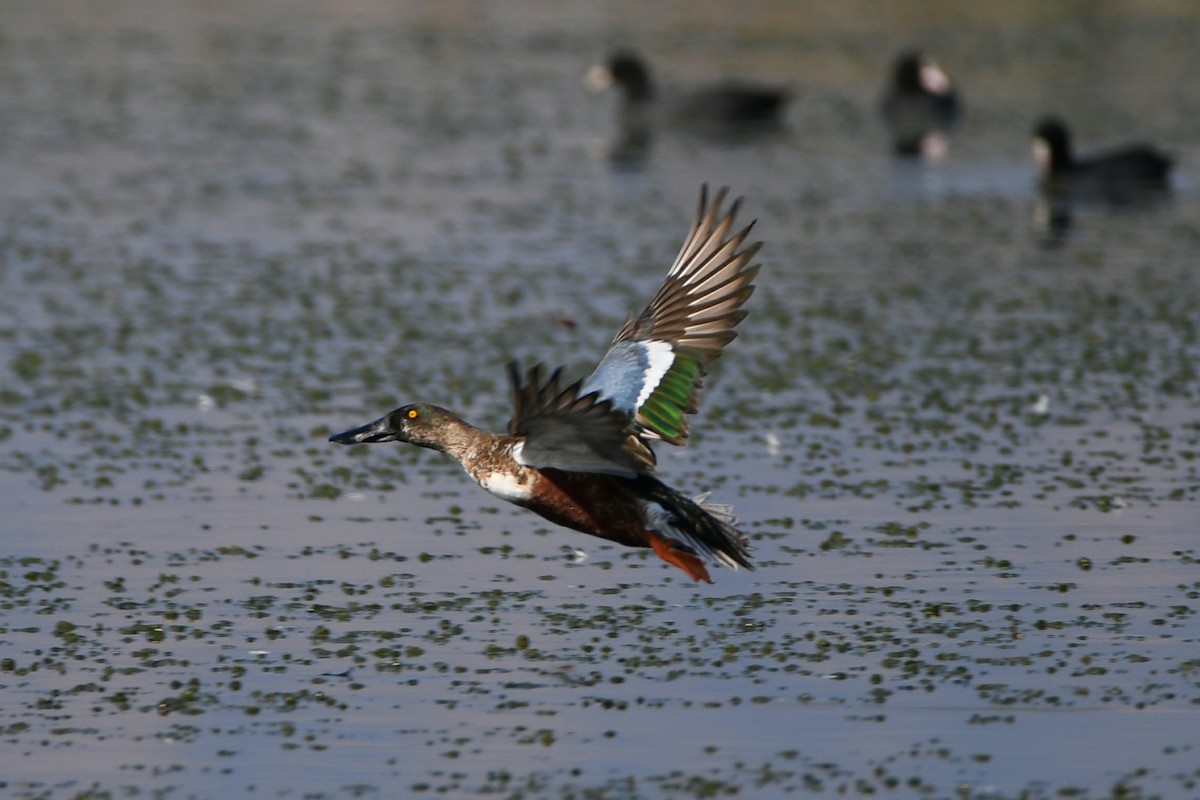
(412, 413)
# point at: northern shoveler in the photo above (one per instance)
(579, 454)
(920, 105)
(1118, 175)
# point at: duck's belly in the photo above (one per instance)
(597, 504)
(601, 505)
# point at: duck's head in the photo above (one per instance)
(419, 423)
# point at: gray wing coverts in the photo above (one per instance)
(567, 431)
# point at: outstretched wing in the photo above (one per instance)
(655, 368)
(566, 430)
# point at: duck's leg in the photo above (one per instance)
(674, 554)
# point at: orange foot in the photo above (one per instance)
(675, 555)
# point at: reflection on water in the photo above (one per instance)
(966, 461)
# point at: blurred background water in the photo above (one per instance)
(961, 429)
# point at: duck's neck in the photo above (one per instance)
(460, 439)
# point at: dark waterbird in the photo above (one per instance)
(580, 454)
(920, 104)
(1120, 175)
(731, 104)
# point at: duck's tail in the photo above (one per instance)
(685, 532)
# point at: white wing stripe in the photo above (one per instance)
(659, 358)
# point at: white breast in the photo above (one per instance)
(507, 486)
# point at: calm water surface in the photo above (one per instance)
(965, 443)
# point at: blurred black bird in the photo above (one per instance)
(920, 105)
(1120, 175)
(730, 105)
